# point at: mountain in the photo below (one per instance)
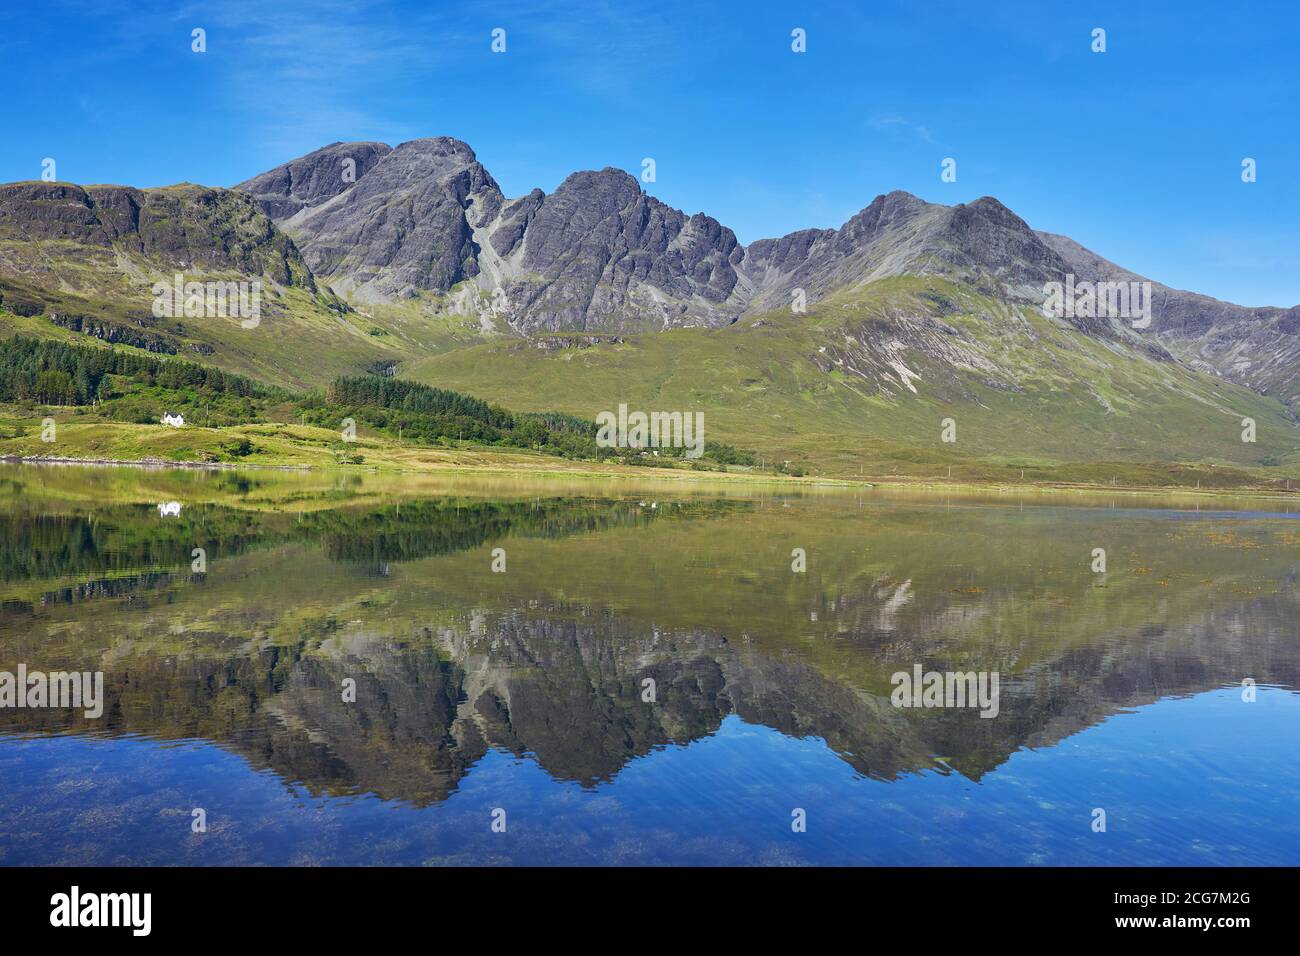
(82, 261)
(597, 253)
(899, 234)
(600, 255)
(843, 348)
(214, 229)
(403, 225)
(1258, 347)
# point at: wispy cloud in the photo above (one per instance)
(310, 72)
(902, 124)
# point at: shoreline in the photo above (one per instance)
(650, 474)
(897, 482)
(160, 463)
(891, 482)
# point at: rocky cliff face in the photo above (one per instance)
(600, 255)
(313, 179)
(1258, 347)
(181, 227)
(596, 254)
(405, 225)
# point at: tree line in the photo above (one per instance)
(55, 373)
(134, 387)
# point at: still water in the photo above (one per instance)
(519, 696)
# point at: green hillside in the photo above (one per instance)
(1026, 392)
(859, 385)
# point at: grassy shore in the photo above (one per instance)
(292, 446)
(296, 447)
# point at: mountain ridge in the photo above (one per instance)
(641, 265)
(836, 346)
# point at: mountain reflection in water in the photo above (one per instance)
(526, 690)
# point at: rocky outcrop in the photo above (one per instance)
(182, 227)
(114, 333)
(600, 255)
(313, 179)
(404, 226)
(515, 217)
(599, 248)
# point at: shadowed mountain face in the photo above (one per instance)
(313, 179)
(403, 224)
(208, 229)
(600, 248)
(600, 255)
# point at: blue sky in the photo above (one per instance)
(1135, 152)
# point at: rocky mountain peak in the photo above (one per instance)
(401, 226)
(891, 211)
(599, 248)
(437, 158)
(986, 237)
(599, 253)
(608, 181)
(313, 179)
(992, 208)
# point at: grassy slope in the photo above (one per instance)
(1073, 398)
(1076, 410)
(299, 343)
